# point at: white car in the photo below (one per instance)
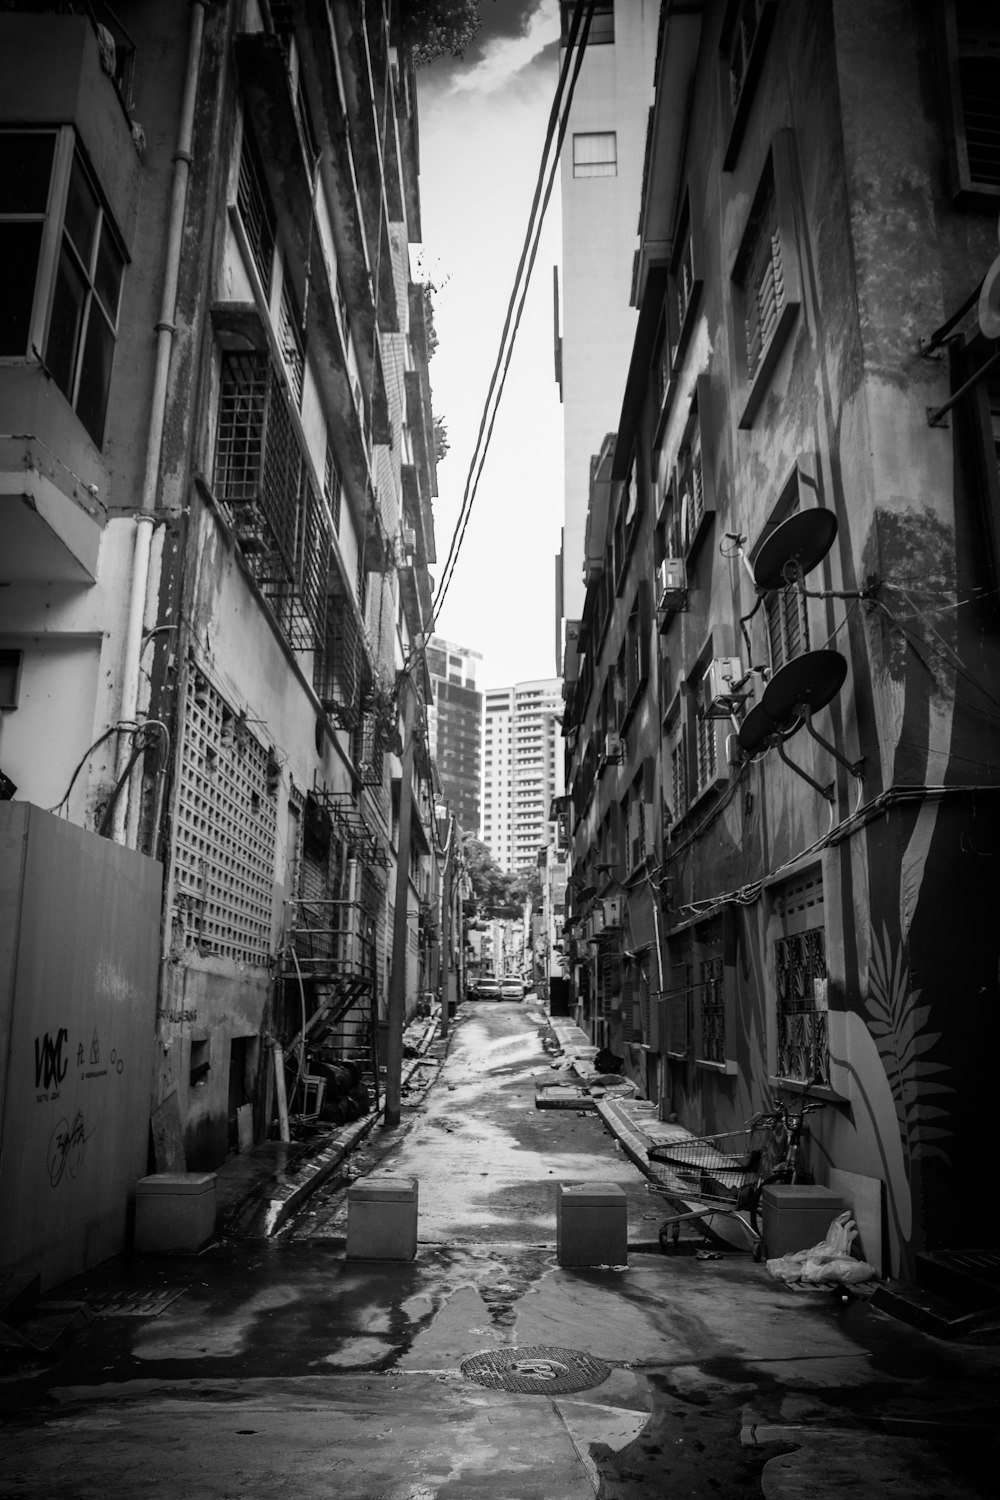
(511, 988)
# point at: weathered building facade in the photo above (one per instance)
(217, 474)
(782, 720)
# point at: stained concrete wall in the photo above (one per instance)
(78, 955)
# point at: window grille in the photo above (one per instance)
(267, 491)
(684, 283)
(744, 35)
(291, 342)
(691, 488)
(979, 83)
(255, 210)
(335, 673)
(333, 486)
(800, 979)
(708, 759)
(678, 775)
(787, 626)
(224, 833)
(760, 274)
(712, 996)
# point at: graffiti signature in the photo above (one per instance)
(66, 1148)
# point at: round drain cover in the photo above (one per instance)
(536, 1370)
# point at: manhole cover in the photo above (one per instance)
(536, 1370)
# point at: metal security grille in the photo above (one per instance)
(787, 626)
(713, 1003)
(267, 490)
(255, 210)
(761, 276)
(225, 831)
(800, 982)
(979, 80)
(744, 35)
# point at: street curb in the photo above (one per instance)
(318, 1168)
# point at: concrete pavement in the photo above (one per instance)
(276, 1362)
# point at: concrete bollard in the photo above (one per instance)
(382, 1219)
(591, 1224)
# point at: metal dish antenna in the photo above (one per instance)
(794, 548)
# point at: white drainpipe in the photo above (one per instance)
(165, 327)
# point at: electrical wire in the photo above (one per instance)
(556, 129)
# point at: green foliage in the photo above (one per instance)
(497, 893)
(438, 28)
(441, 443)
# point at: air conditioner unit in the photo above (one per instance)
(720, 687)
(614, 748)
(409, 540)
(612, 911)
(671, 585)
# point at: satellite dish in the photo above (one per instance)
(989, 303)
(803, 540)
(759, 731)
(806, 683)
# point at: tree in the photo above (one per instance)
(489, 883)
(436, 28)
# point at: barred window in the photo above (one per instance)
(760, 275)
(255, 209)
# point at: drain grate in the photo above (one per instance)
(536, 1370)
(131, 1304)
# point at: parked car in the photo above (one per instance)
(511, 989)
(488, 988)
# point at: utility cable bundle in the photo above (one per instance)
(555, 133)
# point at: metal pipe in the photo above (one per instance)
(165, 328)
(279, 1091)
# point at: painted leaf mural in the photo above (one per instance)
(897, 1022)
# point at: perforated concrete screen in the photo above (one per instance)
(224, 840)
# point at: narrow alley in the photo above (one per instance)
(273, 1363)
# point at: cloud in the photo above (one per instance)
(516, 36)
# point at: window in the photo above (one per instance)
(971, 59)
(766, 276)
(787, 626)
(745, 31)
(711, 999)
(255, 210)
(264, 483)
(292, 345)
(333, 487)
(595, 154)
(684, 283)
(602, 22)
(63, 268)
(800, 981)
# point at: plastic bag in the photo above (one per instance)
(826, 1265)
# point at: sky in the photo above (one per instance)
(482, 128)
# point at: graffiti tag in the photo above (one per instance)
(50, 1065)
(67, 1145)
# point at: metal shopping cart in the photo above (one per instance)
(711, 1179)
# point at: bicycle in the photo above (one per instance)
(726, 1173)
(781, 1159)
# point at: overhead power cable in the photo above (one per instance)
(555, 132)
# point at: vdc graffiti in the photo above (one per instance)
(53, 1057)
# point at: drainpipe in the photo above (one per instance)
(165, 328)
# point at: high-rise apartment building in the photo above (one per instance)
(522, 769)
(454, 724)
(602, 166)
